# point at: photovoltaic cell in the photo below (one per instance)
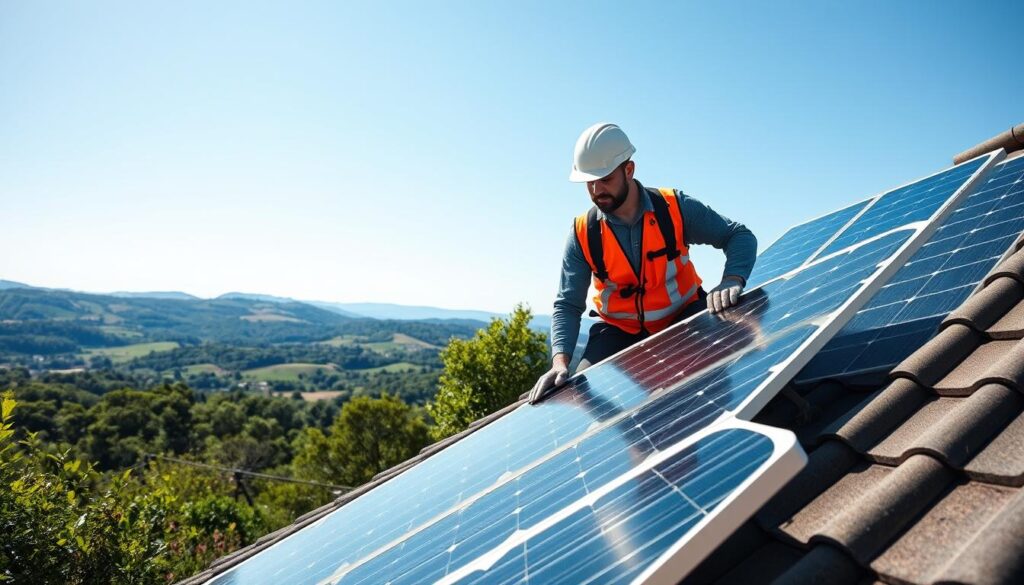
(906, 205)
(938, 278)
(799, 244)
(453, 514)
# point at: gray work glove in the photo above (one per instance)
(725, 295)
(558, 374)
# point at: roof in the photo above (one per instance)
(914, 480)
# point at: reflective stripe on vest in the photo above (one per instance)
(669, 285)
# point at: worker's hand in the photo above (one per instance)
(558, 374)
(725, 295)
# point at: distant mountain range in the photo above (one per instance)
(5, 284)
(383, 311)
(156, 295)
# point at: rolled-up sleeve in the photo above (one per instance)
(571, 300)
(703, 225)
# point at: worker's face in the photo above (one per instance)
(610, 192)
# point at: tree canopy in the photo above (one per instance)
(488, 372)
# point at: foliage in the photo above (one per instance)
(488, 372)
(63, 525)
(88, 494)
(369, 436)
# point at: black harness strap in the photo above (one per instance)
(668, 232)
(595, 244)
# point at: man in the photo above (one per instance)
(634, 243)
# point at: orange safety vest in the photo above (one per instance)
(667, 282)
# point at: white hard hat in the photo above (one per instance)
(600, 149)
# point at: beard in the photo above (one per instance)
(609, 202)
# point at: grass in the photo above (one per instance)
(286, 372)
(342, 340)
(203, 369)
(270, 317)
(120, 331)
(396, 367)
(126, 353)
(403, 339)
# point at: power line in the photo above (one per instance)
(236, 472)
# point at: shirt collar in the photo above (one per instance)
(645, 206)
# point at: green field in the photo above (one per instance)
(120, 331)
(342, 340)
(399, 341)
(125, 353)
(286, 372)
(203, 369)
(397, 367)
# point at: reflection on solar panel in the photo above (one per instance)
(800, 243)
(834, 231)
(558, 490)
(914, 202)
(936, 280)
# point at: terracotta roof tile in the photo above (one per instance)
(996, 553)
(886, 508)
(984, 309)
(1010, 325)
(893, 405)
(923, 552)
(942, 353)
(814, 517)
(905, 437)
(825, 465)
(1012, 267)
(1002, 460)
(995, 361)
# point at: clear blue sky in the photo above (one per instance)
(400, 153)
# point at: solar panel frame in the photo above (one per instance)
(1010, 251)
(786, 460)
(877, 342)
(924, 229)
(780, 373)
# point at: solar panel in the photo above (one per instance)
(451, 516)
(800, 243)
(938, 278)
(915, 201)
(635, 525)
(911, 203)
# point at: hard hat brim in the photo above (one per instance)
(577, 176)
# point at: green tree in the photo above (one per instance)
(487, 372)
(368, 436)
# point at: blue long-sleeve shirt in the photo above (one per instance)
(701, 225)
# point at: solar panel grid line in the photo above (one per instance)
(1015, 163)
(788, 369)
(766, 267)
(786, 460)
(793, 243)
(892, 207)
(947, 269)
(867, 207)
(627, 406)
